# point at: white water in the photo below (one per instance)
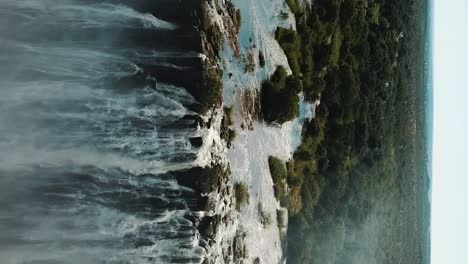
(75, 15)
(86, 135)
(81, 157)
(248, 155)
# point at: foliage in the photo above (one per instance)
(238, 16)
(295, 6)
(279, 97)
(351, 170)
(242, 195)
(290, 43)
(374, 14)
(278, 175)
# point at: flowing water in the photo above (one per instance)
(94, 111)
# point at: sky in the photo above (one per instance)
(449, 235)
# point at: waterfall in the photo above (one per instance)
(92, 121)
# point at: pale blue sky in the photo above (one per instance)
(450, 160)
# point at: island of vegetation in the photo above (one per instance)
(356, 188)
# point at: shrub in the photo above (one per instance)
(278, 175)
(238, 16)
(295, 6)
(279, 99)
(290, 42)
(242, 195)
(374, 14)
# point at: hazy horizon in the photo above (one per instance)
(449, 232)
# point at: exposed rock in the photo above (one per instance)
(208, 225)
(202, 180)
(250, 63)
(250, 107)
(196, 142)
(233, 23)
(143, 242)
(239, 248)
(227, 133)
(211, 41)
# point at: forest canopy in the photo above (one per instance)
(351, 181)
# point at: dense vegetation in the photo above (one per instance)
(279, 97)
(352, 193)
(286, 184)
(278, 175)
